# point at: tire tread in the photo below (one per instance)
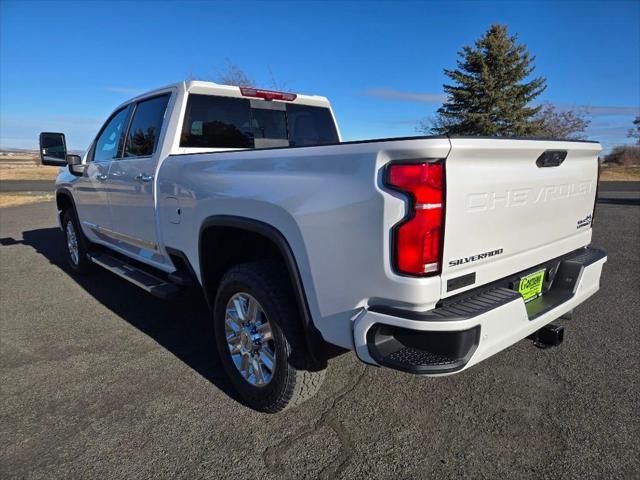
(301, 383)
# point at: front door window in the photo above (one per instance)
(109, 142)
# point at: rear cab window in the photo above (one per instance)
(228, 122)
(216, 122)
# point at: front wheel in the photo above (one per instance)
(76, 244)
(260, 340)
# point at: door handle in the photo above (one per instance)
(101, 176)
(143, 177)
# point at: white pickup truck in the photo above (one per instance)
(425, 255)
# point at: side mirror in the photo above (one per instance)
(75, 165)
(74, 159)
(53, 149)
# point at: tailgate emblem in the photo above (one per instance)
(473, 258)
(519, 197)
(584, 222)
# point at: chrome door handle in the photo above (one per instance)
(101, 176)
(143, 177)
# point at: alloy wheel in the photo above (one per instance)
(250, 339)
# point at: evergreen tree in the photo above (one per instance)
(489, 95)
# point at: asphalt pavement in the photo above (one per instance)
(621, 186)
(11, 186)
(100, 380)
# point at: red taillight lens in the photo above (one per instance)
(267, 94)
(418, 239)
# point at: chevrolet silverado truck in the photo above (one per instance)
(425, 255)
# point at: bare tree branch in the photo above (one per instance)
(562, 124)
(275, 84)
(235, 76)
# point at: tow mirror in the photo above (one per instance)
(53, 149)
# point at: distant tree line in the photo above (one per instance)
(627, 155)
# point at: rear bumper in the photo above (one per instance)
(474, 325)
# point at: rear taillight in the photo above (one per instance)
(417, 240)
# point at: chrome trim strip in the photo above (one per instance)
(126, 238)
(138, 242)
(93, 226)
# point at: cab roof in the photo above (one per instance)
(211, 88)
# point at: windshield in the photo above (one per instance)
(227, 122)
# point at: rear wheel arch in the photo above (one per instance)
(242, 240)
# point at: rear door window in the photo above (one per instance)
(144, 132)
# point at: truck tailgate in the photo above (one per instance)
(507, 211)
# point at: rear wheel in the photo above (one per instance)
(259, 338)
(76, 244)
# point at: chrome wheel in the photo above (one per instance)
(250, 339)
(72, 243)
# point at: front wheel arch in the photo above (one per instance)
(64, 202)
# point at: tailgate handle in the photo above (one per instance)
(551, 158)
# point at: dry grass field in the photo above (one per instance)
(618, 173)
(31, 172)
(23, 198)
(25, 167)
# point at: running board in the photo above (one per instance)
(154, 285)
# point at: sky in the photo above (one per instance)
(64, 66)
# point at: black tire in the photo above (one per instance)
(78, 263)
(292, 382)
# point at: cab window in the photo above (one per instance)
(144, 132)
(218, 122)
(225, 122)
(109, 142)
(310, 126)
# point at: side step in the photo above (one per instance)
(154, 285)
(180, 278)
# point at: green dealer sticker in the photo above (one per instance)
(531, 285)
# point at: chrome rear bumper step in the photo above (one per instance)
(150, 283)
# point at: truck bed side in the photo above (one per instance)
(326, 201)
